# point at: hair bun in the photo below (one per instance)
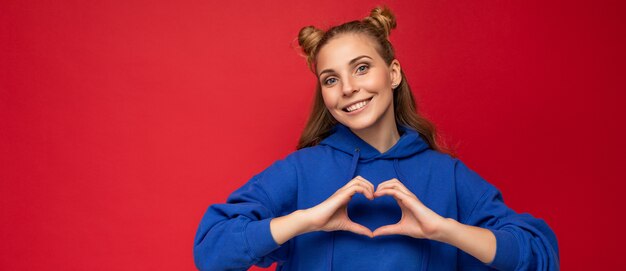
(383, 19)
(308, 39)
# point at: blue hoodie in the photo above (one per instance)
(236, 235)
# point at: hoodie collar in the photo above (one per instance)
(343, 139)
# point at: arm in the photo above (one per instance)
(475, 241)
(286, 227)
(330, 215)
(523, 242)
(236, 235)
(487, 229)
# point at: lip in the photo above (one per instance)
(360, 109)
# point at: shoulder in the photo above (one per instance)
(467, 182)
(462, 172)
(292, 162)
(439, 157)
(436, 161)
(471, 186)
(310, 153)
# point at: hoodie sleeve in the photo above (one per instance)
(236, 235)
(523, 242)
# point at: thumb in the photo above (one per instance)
(388, 230)
(359, 229)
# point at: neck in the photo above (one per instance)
(382, 135)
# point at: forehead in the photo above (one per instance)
(343, 48)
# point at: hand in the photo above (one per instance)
(332, 214)
(417, 220)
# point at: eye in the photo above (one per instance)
(361, 69)
(330, 81)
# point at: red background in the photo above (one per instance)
(122, 121)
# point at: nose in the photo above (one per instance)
(349, 86)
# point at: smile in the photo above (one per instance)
(356, 106)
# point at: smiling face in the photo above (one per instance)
(356, 83)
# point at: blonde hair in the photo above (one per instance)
(377, 26)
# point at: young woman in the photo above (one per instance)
(369, 188)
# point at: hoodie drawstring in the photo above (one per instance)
(396, 168)
(355, 160)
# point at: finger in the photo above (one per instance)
(390, 185)
(411, 202)
(396, 186)
(350, 191)
(360, 181)
(371, 185)
(387, 182)
(359, 229)
(394, 183)
(398, 195)
(348, 184)
(357, 179)
(343, 195)
(388, 230)
(390, 180)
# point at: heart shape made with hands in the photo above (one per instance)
(381, 211)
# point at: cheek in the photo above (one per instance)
(329, 98)
(378, 81)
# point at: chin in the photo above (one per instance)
(358, 125)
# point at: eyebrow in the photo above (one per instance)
(349, 63)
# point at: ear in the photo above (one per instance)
(395, 73)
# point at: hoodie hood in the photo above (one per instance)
(343, 139)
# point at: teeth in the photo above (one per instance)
(357, 106)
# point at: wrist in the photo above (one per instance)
(302, 221)
(476, 241)
(286, 227)
(449, 227)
